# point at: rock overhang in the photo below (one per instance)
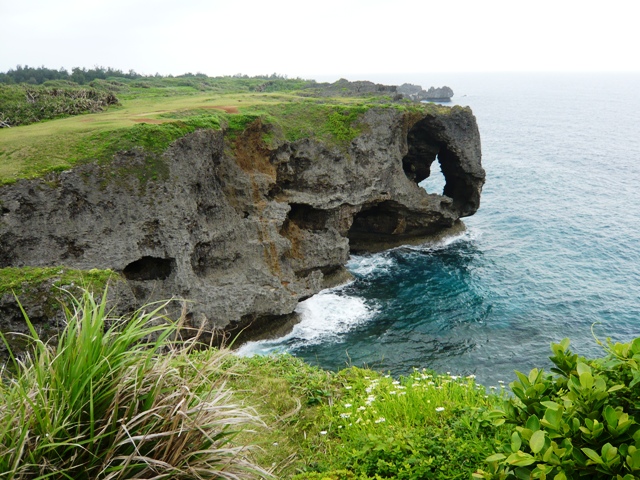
(245, 229)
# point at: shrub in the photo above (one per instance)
(108, 402)
(582, 422)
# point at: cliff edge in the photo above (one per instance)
(245, 226)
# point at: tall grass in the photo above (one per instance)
(116, 399)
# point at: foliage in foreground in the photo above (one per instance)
(582, 423)
(421, 426)
(359, 424)
(110, 403)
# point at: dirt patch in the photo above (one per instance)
(251, 152)
(226, 108)
(147, 120)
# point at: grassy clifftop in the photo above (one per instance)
(151, 113)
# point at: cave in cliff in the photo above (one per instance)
(149, 268)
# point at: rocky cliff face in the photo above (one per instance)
(245, 230)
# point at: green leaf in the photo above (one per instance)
(615, 388)
(560, 476)
(552, 419)
(533, 423)
(583, 368)
(516, 442)
(520, 459)
(533, 375)
(633, 460)
(609, 452)
(537, 441)
(586, 380)
(610, 416)
(551, 405)
(496, 457)
(593, 455)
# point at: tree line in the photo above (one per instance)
(81, 76)
(39, 75)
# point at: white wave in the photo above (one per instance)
(468, 235)
(367, 264)
(325, 316)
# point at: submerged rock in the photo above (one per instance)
(244, 229)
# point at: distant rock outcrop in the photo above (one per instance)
(246, 230)
(418, 94)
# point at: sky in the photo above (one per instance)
(340, 38)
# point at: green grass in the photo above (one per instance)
(361, 424)
(116, 399)
(16, 280)
(152, 114)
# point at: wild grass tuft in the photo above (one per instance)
(118, 399)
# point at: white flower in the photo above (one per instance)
(439, 409)
(345, 415)
(348, 387)
(323, 432)
(472, 376)
(392, 392)
(347, 405)
(362, 408)
(500, 381)
(395, 382)
(400, 387)
(380, 420)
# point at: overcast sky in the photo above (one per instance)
(330, 37)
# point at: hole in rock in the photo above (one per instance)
(435, 182)
(149, 268)
(380, 218)
(306, 217)
(426, 145)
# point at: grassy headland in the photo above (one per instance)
(153, 112)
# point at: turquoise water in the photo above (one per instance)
(553, 250)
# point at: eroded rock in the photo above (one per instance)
(245, 231)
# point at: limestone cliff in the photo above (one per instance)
(246, 229)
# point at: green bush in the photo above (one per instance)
(581, 423)
(116, 399)
(22, 105)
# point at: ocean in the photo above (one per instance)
(553, 252)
